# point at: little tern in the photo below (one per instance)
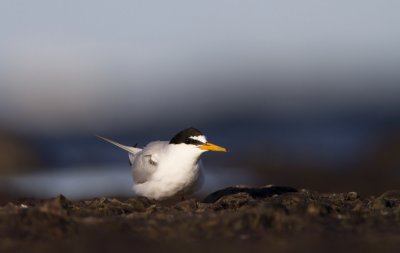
(163, 169)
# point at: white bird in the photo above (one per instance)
(164, 169)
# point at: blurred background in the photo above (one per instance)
(303, 93)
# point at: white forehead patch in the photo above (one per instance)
(200, 138)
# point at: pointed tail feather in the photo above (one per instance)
(132, 150)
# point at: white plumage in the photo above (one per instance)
(165, 169)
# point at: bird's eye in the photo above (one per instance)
(193, 141)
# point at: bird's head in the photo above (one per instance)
(192, 136)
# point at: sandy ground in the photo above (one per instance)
(270, 219)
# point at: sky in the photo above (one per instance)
(98, 65)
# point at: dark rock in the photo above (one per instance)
(139, 204)
(388, 199)
(232, 201)
(256, 193)
(187, 205)
(56, 206)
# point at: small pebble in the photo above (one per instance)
(352, 195)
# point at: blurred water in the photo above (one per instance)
(81, 183)
(333, 141)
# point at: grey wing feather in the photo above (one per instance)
(131, 150)
(144, 163)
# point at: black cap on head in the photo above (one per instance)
(183, 137)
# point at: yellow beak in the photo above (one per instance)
(212, 147)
